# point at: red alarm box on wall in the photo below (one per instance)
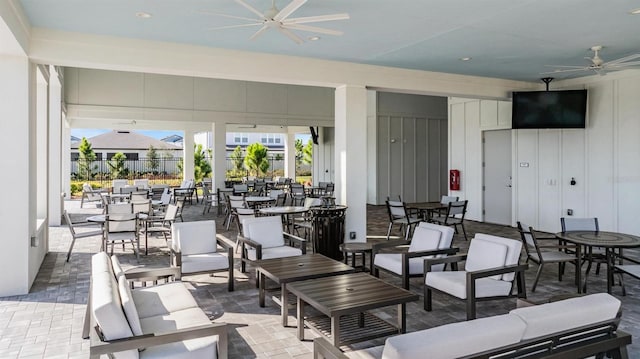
(454, 180)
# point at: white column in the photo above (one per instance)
(55, 149)
(66, 158)
(187, 155)
(15, 210)
(42, 143)
(219, 131)
(350, 157)
(372, 152)
(290, 156)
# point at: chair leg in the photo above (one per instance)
(535, 282)
(464, 231)
(427, 298)
(389, 230)
(73, 240)
(471, 308)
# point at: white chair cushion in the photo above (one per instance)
(275, 252)
(555, 317)
(455, 283)
(204, 262)
(393, 263)
(205, 347)
(425, 239)
(100, 263)
(107, 310)
(457, 339)
(485, 255)
(194, 237)
(264, 230)
(162, 299)
(447, 233)
(130, 311)
(368, 353)
(514, 248)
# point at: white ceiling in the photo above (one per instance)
(510, 39)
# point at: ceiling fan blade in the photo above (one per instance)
(234, 26)
(561, 71)
(230, 16)
(568, 67)
(289, 9)
(251, 8)
(297, 39)
(315, 29)
(259, 32)
(623, 59)
(624, 64)
(319, 18)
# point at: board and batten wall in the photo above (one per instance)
(411, 153)
(604, 158)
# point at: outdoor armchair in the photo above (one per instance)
(263, 238)
(491, 268)
(194, 249)
(405, 260)
(90, 195)
(92, 231)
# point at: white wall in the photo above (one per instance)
(603, 158)
(323, 169)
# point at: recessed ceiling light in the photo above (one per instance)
(465, 58)
(314, 38)
(143, 15)
(635, 11)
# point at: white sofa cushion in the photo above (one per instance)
(130, 311)
(264, 230)
(447, 233)
(162, 299)
(555, 317)
(514, 248)
(425, 239)
(367, 353)
(393, 263)
(100, 263)
(485, 255)
(457, 339)
(204, 262)
(205, 347)
(107, 310)
(275, 252)
(117, 268)
(194, 237)
(455, 283)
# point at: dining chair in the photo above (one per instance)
(78, 234)
(592, 255)
(159, 224)
(398, 215)
(207, 198)
(116, 184)
(234, 202)
(542, 250)
(121, 226)
(142, 183)
(90, 195)
(454, 216)
(139, 196)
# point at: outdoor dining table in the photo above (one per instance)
(426, 208)
(253, 200)
(607, 240)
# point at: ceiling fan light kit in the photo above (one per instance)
(279, 20)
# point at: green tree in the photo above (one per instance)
(201, 164)
(237, 158)
(154, 161)
(299, 148)
(307, 153)
(117, 167)
(256, 159)
(86, 157)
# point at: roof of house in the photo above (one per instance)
(172, 139)
(126, 140)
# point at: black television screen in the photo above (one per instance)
(549, 109)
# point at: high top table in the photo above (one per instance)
(291, 269)
(607, 240)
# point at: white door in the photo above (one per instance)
(497, 176)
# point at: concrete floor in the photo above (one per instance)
(47, 323)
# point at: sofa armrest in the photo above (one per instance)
(248, 242)
(147, 274)
(223, 241)
(300, 241)
(99, 347)
(433, 252)
(453, 260)
(323, 349)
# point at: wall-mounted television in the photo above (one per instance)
(549, 109)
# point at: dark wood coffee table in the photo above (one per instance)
(292, 269)
(343, 295)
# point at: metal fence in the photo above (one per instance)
(99, 170)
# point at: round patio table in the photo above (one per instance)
(285, 211)
(356, 248)
(253, 200)
(607, 240)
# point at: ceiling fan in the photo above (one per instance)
(598, 65)
(279, 20)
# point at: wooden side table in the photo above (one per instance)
(356, 248)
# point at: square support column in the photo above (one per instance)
(56, 159)
(219, 131)
(290, 156)
(188, 167)
(350, 157)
